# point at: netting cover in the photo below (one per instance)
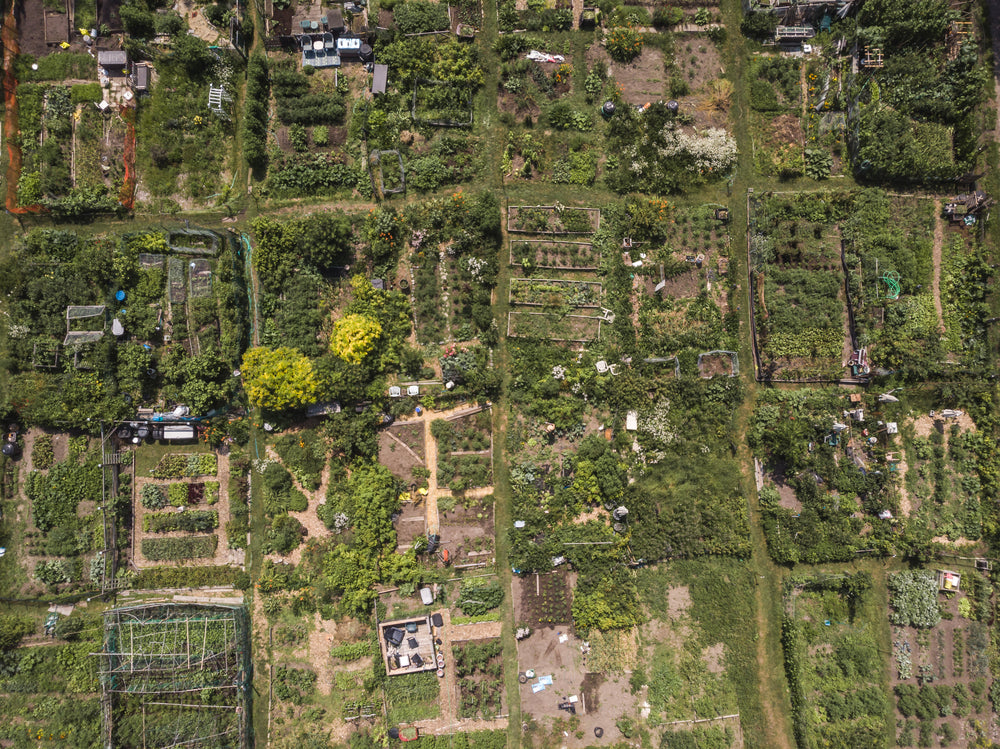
(83, 312)
(175, 280)
(200, 278)
(148, 261)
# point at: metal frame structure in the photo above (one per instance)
(186, 665)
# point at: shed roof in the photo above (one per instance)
(112, 58)
(142, 77)
(380, 77)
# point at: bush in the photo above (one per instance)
(83, 93)
(669, 16)
(321, 135)
(284, 535)
(255, 116)
(171, 549)
(624, 44)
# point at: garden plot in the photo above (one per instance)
(63, 534)
(442, 104)
(181, 510)
(320, 667)
(775, 120)
(522, 219)
(428, 111)
(940, 670)
(68, 144)
(525, 86)
(826, 491)
(938, 469)
(575, 328)
(552, 255)
(309, 110)
(544, 600)
(479, 674)
(554, 293)
(890, 252)
(401, 450)
(799, 297)
(832, 637)
(467, 530)
(689, 660)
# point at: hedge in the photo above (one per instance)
(168, 549)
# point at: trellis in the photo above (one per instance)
(169, 655)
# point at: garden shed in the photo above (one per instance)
(114, 62)
(380, 77)
(140, 78)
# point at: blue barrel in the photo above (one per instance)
(119, 296)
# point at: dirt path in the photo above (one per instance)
(434, 492)
(936, 281)
(309, 518)
(448, 721)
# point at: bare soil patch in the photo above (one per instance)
(643, 80)
(696, 60)
(401, 449)
(716, 364)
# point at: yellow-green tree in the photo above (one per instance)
(278, 379)
(354, 337)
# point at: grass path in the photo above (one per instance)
(775, 704)
(938, 244)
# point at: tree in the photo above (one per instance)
(278, 379)
(276, 251)
(12, 629)
(354, 337)
(193, 55)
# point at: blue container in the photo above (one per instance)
(119, 296)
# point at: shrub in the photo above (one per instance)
(321, 135)
(284, 535)
(624, 44)
(255, 115)
(669, 16)
(170, 549)
(152, 497)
